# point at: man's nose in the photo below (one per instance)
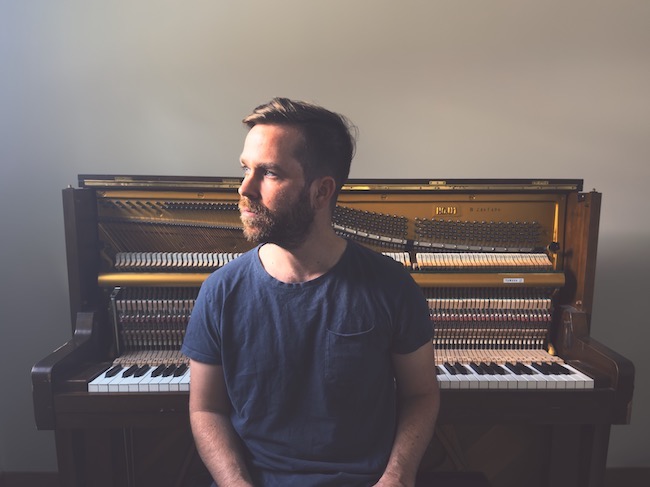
(249, 187)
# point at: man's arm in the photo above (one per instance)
(418, 401)
(215, 438)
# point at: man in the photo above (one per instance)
(311, 356)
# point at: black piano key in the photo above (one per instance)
(439, 371)
(548, 368)
(525, 369)
(477, 368)
(486, 368)
(130, 371)
(460, 368)
(180, 370)
(450, 368)
(513, 368)
(558, 369)
(141, 371)
(113, 371)
(169, 370)
(541, 367)
(159, 370)
(498, 370)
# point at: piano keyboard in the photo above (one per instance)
(539, 375)
(143, 378)
(507, 369)
(148, 371)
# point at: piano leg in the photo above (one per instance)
(84, 458)
(65, 448)
(598, 437)
(578, 455)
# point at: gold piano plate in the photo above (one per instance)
(423, 279)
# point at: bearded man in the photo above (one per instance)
(311, 356)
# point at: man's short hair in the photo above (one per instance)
(329, 143)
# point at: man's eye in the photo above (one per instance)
(270, 174)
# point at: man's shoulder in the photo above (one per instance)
(238, 267)
(376, 258)
(376, 265)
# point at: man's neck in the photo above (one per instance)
(314, 257)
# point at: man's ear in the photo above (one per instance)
(323, 191)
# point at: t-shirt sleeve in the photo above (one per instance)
(202, 340)
(412, 325)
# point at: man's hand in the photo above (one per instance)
(215, 438)
(388, 480)
(418, 400)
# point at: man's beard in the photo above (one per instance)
(287, 227)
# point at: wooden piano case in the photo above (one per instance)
(515, 436)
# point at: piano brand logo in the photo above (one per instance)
(479, 209)
(446, 210)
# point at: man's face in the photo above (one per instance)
(275, 202)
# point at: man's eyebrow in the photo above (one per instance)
(265, 166)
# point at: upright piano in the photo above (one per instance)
(507, 267)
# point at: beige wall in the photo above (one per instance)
(440, 89)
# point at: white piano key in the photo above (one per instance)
(533, 380)
(484, 381)
(454, 383)
(100, 383)
(128, 384)
(518, 379)
(501, 381)
(115, 385)
(513, 380)
(152, 385)
(471, 379)
(184, 384)
(443, 378)
(577, 379)
(468, 380)
(132, 383)
(164, 384)
(143, 384)
(177, 383)
(583, 381)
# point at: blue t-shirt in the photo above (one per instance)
(308, 366)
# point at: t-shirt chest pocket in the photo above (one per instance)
(352, 349)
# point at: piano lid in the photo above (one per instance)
(352, 185)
